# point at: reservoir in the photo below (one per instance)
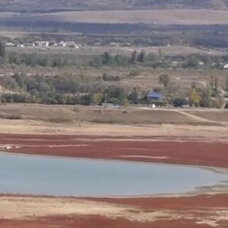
(57, 176)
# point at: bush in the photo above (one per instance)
(179, 102)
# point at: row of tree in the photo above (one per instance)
(159, 60)
(78, 89)
(65, 89)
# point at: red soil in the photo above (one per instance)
(172, 150)
(197, 206)
(170, 203)
(98, 222)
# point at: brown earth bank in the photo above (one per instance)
(202, 211)
(173, 150)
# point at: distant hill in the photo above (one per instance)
(63, 5)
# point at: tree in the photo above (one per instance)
(218, 102)
(205, 100)
(164, 79)
(179, 102)
(60, 99)
(97, 98)
(226, 85)
(192, 62)
(106, 58)
(133, 57)
(134, 96)
(194, 98)
(114, 95)
(214, 83)
(142, 56)
(2, 50)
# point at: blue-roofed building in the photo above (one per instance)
(154, 96)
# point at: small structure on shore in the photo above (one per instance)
(108, 105)
(156, 100)
(154, 96)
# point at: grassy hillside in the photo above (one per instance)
(56, 5)
(68, 20)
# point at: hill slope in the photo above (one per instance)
(60, 5)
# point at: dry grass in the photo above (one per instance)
(186, 17)
(123, 115)
(167, 16)
(65, 114)
(78, 120)
(214, 115)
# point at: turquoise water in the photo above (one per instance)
(41, 175)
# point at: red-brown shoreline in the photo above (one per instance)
(173, 150)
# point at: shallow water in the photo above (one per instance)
(41, 175)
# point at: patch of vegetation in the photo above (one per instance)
(11, 116)
(60, 120)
